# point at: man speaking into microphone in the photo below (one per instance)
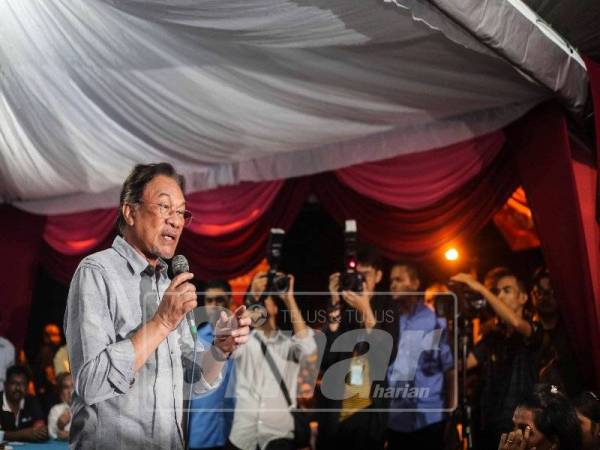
(127, 333)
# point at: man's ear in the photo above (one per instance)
(128, 214)
(378, 276)
(415, 283)
(523, 297)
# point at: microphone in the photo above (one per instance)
(179, 264)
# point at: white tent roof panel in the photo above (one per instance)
(246, 90)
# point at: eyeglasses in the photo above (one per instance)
(165, 211)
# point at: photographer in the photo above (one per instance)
(354, 426)
(261, 418)
(506, 355)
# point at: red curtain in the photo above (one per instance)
(235, 253)
(551, 190)
(593, 69)
(400, 233)
(420, 180)
(20, 241)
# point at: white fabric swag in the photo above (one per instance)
(245, 90)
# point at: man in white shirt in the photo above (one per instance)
(59, 419)
(261, 416)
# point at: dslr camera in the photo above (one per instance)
(471, 304)
(276, 281)
(350, 278)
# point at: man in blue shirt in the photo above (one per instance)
(211, 414)
(419, 376)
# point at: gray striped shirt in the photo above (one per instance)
(112, 294)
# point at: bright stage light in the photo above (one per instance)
(451, 254)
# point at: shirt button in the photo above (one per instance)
(260, 422)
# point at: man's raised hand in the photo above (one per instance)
(232, 331)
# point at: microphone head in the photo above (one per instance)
(179, 264)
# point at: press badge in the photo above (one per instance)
(357, 369)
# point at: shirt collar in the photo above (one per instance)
(272, 338)
(137, 263)
(6, 406)
(419, 307)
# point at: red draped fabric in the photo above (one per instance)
(235, 253)
(219, 212)
(593, 69)
(551, 189)
(79, 233)
(400, 233)
(420, 180)
(586, 179)
(20, 241)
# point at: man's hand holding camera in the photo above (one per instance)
(360, 301)
(288, 298)
(470, 281)
(508, 305)
(258, 284)
(334, 288)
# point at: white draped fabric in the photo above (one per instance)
(245, 90)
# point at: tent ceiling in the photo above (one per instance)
(246, 90)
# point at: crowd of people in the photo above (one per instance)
(381, 370)
(387, 369)
(23, 415)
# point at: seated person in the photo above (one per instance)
(21, 416)
(587, 406)
(59, 419)
(543, 420)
